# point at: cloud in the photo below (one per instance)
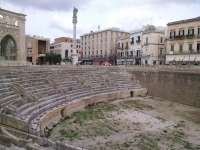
(48, 5)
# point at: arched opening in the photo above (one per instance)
(131, 93)
(16, 23)
(8, 20)
(62, 113)
(8, 48)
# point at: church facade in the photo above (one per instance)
(12, 38)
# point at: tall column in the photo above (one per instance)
(74, 53)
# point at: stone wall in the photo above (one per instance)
(177, 86)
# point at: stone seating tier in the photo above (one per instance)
(44, 88)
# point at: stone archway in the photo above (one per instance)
(8, 48)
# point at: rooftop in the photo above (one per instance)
(184, 21)
(109, 29)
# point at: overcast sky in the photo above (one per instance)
(53, 18)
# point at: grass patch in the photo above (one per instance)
(70, 134)
(136, 104)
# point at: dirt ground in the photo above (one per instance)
(142, 123)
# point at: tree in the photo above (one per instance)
(53, 58)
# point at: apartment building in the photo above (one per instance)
(136, 45)
(64, 46)
(36, 48)
(183, 43)
(100, 46)
(153, 45)
(124, 54)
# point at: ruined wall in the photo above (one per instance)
(177, 86)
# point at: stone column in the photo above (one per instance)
(74, 53)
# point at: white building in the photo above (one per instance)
(136, 44)
(64, 46)
(148, 45)
(153, 45)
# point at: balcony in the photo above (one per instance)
(146, 43)
(119, 48)
(179, 37)
(132, 42)
(198, 35)
(190, 36)
(145, 56)
(138, 41)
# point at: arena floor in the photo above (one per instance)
(137, 123)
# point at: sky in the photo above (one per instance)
(53, 18)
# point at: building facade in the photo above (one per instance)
(153, 46)
(12, 38)
(136, 45)
(124, 53)
(100, 47)
(183, 42)
(64, 46)
(36, 48)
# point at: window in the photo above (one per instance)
(131, 53)
(101, 52)
(71, 45)
(88, 52)
(181, 32)
(29, 51)
(172, 47)
(132, 40)
(122, 45)
(190, 48)
(29, 43)
(71, 51)
(190, 31)
(76, 46)
(76, 51)
(172, 34)
(66, 53)
(111, 33)
(85, 53)
(161, 40)
(79, 46)
(138, 38)
(118, 45)
(92, 52)
(161, 52)
(198, 32)
(147, 53)
(97, 52)
(146, 40)
(180, 48)
(89, 47)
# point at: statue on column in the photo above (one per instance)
(75, 12)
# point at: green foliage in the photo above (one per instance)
(67, 59)
(53, 58)
(71, 134)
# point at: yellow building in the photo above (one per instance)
(36, 48)
(124, 53)
(183, 44)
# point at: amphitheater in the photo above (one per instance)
(34, 99)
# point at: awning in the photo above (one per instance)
(183, 58)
